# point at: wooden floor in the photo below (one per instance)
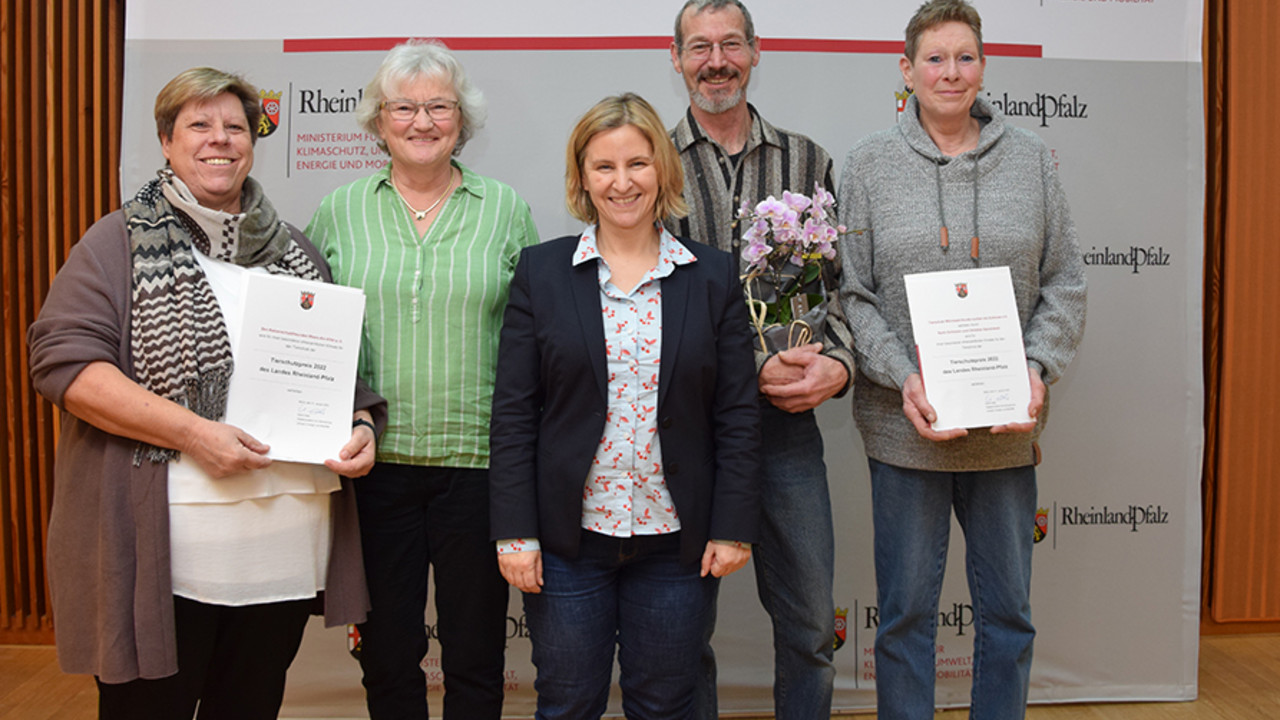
(1239, 680)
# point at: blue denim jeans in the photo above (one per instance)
(632, 594)
(912, 513)
(794, 566)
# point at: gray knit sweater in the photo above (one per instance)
(890, 187)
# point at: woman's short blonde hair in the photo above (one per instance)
(199, 85)
(937, 12)
(613, 112)
(415, 59)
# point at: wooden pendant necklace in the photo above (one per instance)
(420, 215)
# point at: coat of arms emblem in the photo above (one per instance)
(842, 627)
(270, 119)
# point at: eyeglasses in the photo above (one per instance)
(405, 110)
(702, 50)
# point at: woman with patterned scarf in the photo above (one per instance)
(183, 562)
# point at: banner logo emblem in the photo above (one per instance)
(308, 299)
(1042, 523)
(842, 627)
(270, 119)
(962, 290)
(900, 99)
(353, 641)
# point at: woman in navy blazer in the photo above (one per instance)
(625, 430)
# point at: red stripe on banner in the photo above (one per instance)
(636, 42)
(633, 42)
(1011, 50)
(886, 47)
(882, 47)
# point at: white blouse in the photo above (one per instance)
(255, 537)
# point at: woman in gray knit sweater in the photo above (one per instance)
(952, 169)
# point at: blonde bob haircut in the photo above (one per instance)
(202, 84)
(614, 112)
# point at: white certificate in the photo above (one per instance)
(969, 343)
(295, 372)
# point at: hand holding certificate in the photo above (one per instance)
(296, 353)
(969, 344)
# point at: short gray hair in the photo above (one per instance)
(748, 26)
(422, 58)
(937, 12)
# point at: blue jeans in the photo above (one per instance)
(912, 511)
(413, 518)
(630, 593)
(795, 566)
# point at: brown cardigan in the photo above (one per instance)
(108, 550)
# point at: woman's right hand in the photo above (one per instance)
(102, 396)
(222, 450)
(523, 570)
(921, 414)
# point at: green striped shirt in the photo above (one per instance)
(433, 310)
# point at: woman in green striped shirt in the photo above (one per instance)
(433, 246)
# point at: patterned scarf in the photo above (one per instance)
(179, 341)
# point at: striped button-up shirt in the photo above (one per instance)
(433, 308)
(716, 184)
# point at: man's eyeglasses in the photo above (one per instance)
(702, 50)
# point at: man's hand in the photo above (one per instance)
(720, 559)
(802, 378)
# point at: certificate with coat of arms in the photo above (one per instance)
(969, 347)
(295, 350)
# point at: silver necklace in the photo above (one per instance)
(421, 215)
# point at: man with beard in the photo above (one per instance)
(730, 156)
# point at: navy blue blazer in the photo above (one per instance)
(549, 401)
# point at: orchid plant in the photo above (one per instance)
(787, 241)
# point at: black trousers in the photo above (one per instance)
(412, 519)
(231, 665)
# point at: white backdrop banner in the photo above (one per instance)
(1114, 88)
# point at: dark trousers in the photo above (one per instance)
(413, 519)
(231, 663)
